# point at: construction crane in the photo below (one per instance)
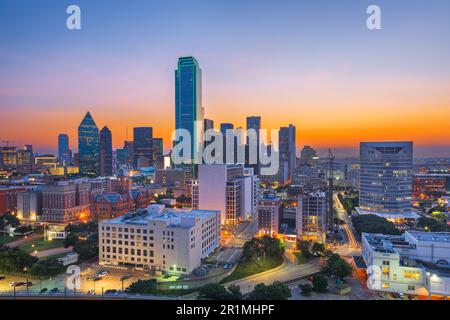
(330, 191)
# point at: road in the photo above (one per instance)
(52, 252)
(25, 239)
(347, 227)
(285, 273)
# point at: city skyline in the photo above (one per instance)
(353, 85)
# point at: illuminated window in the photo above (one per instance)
(385, 285)
(411, 274)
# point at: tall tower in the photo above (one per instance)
(88, 147)
(105, 152)
(287, 148)
(189, 111)
(254, 123)
(143, 147)
(63, 149)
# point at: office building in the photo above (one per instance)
(189, 113)
(88, 147)
(159, 239)
(63, 149)
(414, 263)
(66, 201)
(106, 153)
(386, 180)
(143, 147)
(269, 214)
(29, 206)
(254, 123)
(287, 153)
(312, 223)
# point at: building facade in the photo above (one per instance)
(159, 239)
(106, 153)
(88, 147)
(143, 147)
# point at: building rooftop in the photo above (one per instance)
(437, 237)
(154, 213)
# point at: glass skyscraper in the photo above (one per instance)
(386, 178)
(105, 152)
(188, 102)
(63, 149)
(143, 147)
(88, 147)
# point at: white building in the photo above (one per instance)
(231, 189)
(414, 263)
(160, 239)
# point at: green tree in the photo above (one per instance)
(275, 291)
(16, 261)
(234, 292)
(318, 249)
(320, 283)
(47, 267)
(142, 287)
(86, 249)
(215, 291)
(305, 247)
(373, 224)
(431, 224)
(340, 268)
(306, 289)
(9, 220)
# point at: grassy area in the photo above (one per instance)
(301, 259)
(7, 239)
(248, 268)
(40, 245)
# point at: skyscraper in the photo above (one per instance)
(88, 147)
(254, 123)
(208, 124)
(105, 152)
(223, 129)
(287, 149)
(386, 179)
(63, 149)
(143, 146)
(188, 102)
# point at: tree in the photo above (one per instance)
(47, 267)
(275, 291)
(317, 249)
(306, 289)
(340, 268)
(16, 261)
(142, 287)
(9, 220)
(305, 248)
(431, 224)
(86, 249)
(374, 224)
(70, 240)
(320, 283)
(215, 291)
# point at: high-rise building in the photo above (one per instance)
(254, 123)
(143, 147)
(312, 223)
(158, 151)
(106, 168)
(188, 103)
(386, 179)
(224, 127)
(88, 147)
(63, 149)
(229, 189)
(208, 124)
(270, 210)
(287, 150)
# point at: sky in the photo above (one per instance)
(312, 63)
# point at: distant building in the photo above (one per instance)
(88, 147)
(254, 122)
(143, 147)
(8, 198)
(428, 186)
(29, 206)
(413, 263)
(110, 205)
(386, 180)
(63, 149)
(158, 239)
(172, 177)
(269, 214)
(106, 158)
(287, 150)
(65, 202)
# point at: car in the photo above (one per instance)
(54, 290)
(111, 292)
(16, 284)
(29, 284)
(43, 290)
(102, 273)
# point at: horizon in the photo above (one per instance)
(324, 72)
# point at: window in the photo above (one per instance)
(411, 274)
(411, 288)
(385, 285)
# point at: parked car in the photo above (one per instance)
(102, 273)
(54, 290)
(43, 290)
(16, 284)
(111, 292)
(29, 284)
